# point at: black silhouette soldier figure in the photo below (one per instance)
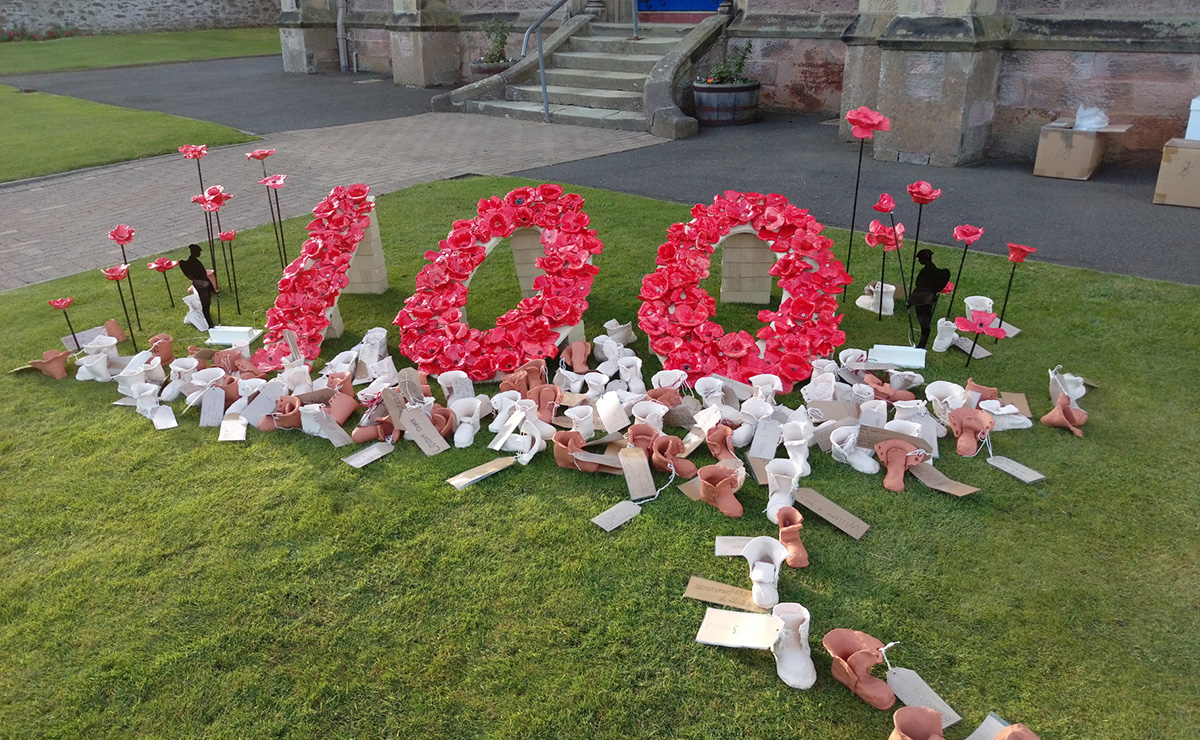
(929, 283)
(193, 269)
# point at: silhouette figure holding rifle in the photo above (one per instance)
(193, 269)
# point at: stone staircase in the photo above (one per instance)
(596, 79)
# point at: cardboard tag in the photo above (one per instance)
(759, 467)
(319, 398)
(212, 407)
(461, 387)
(822, 434)
(713, 592)
(683, 416)
(337, 436)
(1019, 400)
(572, 399)
(479, 472)
(611, 461)
(730, 546)
(410, 385)
(164, 418)
(1009, 330)
(368, 455)
(741, 390)
(606, 440)
(421, 430)
(294, 355)
(83, 337)
(263, 402)
(691, 489)
(900, 356)
(233, 428)
(937, 480)
(989, 728)
(510, 425)
(638, 477)
(869, 436)
(612, 415)
(911, 689)
(362, 371)
(765, 443)
(611, 518)
(705, 421)
(1016, 469)
(964, 344)
(820, 411)
(393, 402)
(867, 365)
(738, 630)
(831, 512)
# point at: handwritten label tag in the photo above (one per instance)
(164, 418)
(337, 436)
(831, 512)
(233, 429)
(479, 472)
(759, 467)
(421, 430)
(741, 390)
(1016, 399)
(410, 385)
(212, 407)
(510, 425)
(1016, 469)
(612, 415)
(822, 434)
(573, 399)
(83, 337)
(964, 344)
(319, 398)
(727, 547)
(705, 420)
(869, 436)
(937, 480)
(610, 519)
(738, 630)
(820, 411)
(702, 589)
(393, 402)
(765, 443)
(691, 489)
(683, 416)
(989, 728)
(607, 463)
(461, 387)
(289, 336)
(911, 689)
(263, 402)
(606, 440)
(638, 477)
(368, 455)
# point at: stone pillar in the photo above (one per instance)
(424, 53)
(308, 36)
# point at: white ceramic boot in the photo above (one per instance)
(195, 314)
(820, 388)
(649, 412)
(146, 395)
(793, 656)
(977, 303)
(182, 369)
(107, 346)
(583, 420)
(668, 379)
(711, 390)
(309, 414)
(823, 365)
(605, 348)
(455, 379)
(1068, 383)
(342, 362)
(297, 378)
(765, 555)
(133, 373)
(620, 333)
(246, 389)
(373, 346)
(466, 411)
(93, 367)
(902, 380)
(860, 393)
(781, 481)
(630, 370)
(796, 440)
(916, 410)
(872, 295)
(502, 404)
(530, 409)
(384, 371)
(944, 397)
(945, 335)
(570, 382)
(873, 413)
(845, 450)
(753, 411)
(766, 386)
(597, 383)
(1007, 417)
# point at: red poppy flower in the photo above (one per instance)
(162, 264)
(865, 122)
(980, 323)
(193, 151)
(227, 236)
(1018, 252)
(60, 303)
(886, 204)
(549, 191)
(968, 233)
(923, 193)
(116, 272)
(948, 289)
(274, 181)
(122, 234)
(260, 154)
(216, 194)
(357, 193)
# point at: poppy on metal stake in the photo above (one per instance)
(1016, 255)
(968, 235)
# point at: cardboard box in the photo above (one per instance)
(1179, 174)
(1066, 153)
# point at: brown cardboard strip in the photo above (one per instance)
(605, 440)
(421, 430)
(738, 629)
(758, 466)
(638, 477)
(726, 547)
(615, 516)
(831, 512)
(1016, 469)
(869, 436)
(368, 454)
(1019, 400)
(937, 480)
(713, 592)
(828, 428)
(828, 410)
(479, 472)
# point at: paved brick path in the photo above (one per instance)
(59, 225)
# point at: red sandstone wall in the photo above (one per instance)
(799, 74)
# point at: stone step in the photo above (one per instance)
(563, 114)
(622, 100)
(642, 63)
(625, 30)
(596, 79)
(617, 45)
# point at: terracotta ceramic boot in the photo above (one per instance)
(916, 723)
(53, 364)
(444, 421)
(1016, 732)
(113, 329)
(649, 412)
(790, 524)
(781, 481)
(193, 350)
(793, 656)
(885, 392)
(381, 431)
(1066, 416)
(642, 436)
(536, 371)
(854, 653)
(341, 406)
(985, 393)
(547, 396)
(466, 411)
(342, 382)
(163, 346)
(945, 335)
(897, 456)
(517, 380)
(228, 384)
(668, 397)
(718, 484)
(970, 426)
(720, 444)
(576, 355)
(286, 415)
(583, 420)
(566, 443)
(765, 555)
(664, 457)
(227, 360)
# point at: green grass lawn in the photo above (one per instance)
(162, 584)
(119, 50)
(42, 134)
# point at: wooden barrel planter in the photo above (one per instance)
(484, 70)
(726, 105)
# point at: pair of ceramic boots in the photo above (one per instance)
(1065, 390)
(291, 413)
(923, 723)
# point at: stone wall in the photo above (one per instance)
(799, 74)
(1097, 8)
(125, 16)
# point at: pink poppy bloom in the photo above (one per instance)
(886, 204)
(227, 236)
(980, 323)
(549, 191)
(274, 181)
(923, 193)
(865, 122)
(1018, 252)
(162, 264)
(879, 234)
(948, 289)
(260, 154)
(968, 233)
(116, 272)
(216, 194)
(481, 368)
(122, 234)
(357, 193)
(60, 303)
(193, 151)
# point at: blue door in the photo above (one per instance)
(671, 6)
